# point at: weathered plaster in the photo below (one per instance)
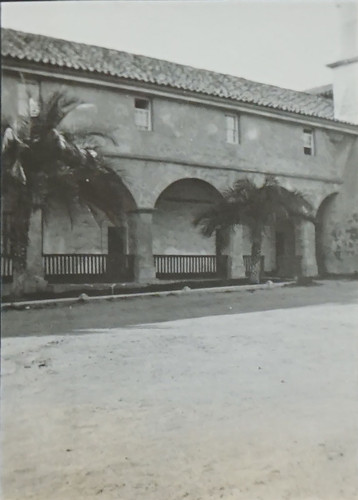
(175, 210)
(339, 220)
(78, 232)
(188, 141)
(174, 233)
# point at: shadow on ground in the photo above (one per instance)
(67, 318)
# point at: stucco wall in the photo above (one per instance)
(339, 219)
(189, 141)
(79, 232)
(191, 133)
(8, 96)
(175, 210)
(174, 233)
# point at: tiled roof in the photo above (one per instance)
(323, 90)
(58, 53)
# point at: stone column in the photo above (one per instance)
(141, 244)
(234, 251)
(306, 248)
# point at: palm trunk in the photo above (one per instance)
(19, 274)
(19, 243)
(255, 264)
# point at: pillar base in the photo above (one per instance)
(143, 271)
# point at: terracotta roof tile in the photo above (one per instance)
(62, 53)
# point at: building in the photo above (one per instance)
(182, 136)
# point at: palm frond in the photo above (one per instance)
(12, 151)
(52, 113)
(245, 203)
(293, 204)
(241, 192)
(58, 106)
(104, 189)
(43, 164)
(89, 138)
(220, 216)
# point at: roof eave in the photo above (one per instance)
(156, 89)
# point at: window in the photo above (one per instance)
(308, 142)
(232, 129)
(142, 116)
(28, 94)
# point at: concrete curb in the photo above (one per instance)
(80, 299)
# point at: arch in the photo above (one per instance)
(175, 210)
(81, 229)
(129, 204)
(156, 178)
(185, 188)
(326, 206)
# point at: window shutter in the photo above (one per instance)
(307, 139)
(308, 142)
(142, 114)
(142, 118)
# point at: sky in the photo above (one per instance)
(287, 43)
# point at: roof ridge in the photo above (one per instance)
(64, 53)
(195, 68)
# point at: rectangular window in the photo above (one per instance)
(308, 142)
(232, 129)
(142, 114)
(28, 95)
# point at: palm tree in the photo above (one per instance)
(256, 207)
(42, 163)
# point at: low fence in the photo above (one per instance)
(6, 268)
(69, 267)
(190, 266)
(87, 268)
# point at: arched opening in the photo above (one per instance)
(179, 249)
(81, 244)
(323, 246)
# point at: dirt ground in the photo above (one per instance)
(65, 319)
(250, 396)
